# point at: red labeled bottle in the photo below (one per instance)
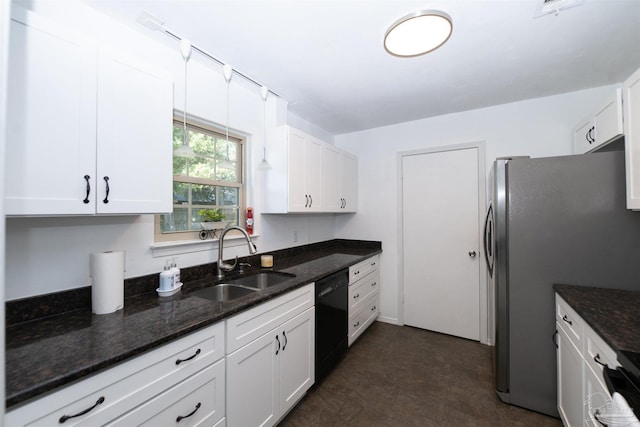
(249, 220)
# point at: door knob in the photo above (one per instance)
(472, 254)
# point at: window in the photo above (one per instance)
(211, 180)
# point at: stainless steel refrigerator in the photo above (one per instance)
(551, 220)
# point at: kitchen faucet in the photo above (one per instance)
(221, 265)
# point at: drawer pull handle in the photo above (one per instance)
(79, 414)
(285, 340)
(278, 349)
(106, 181)
(373, 308)
(566, 319)
(86, 199)
(355, 325)
(182, 417)
(595, 415)
(356, 296)
(179, 361)
(554, 337)
(374, 284)
(597, 360)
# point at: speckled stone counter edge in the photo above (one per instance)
(612, 313)
(63, 320)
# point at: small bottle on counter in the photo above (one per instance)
(166, 278)
(176, 273)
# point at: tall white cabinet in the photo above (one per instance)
(83, 121)
(308, 175)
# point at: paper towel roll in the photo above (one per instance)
(107, 290)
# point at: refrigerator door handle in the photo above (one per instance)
(488, 240)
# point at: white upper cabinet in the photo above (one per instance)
(631, 94)
(51, 120)
(134, 147)
(348, 182)
(600, 128)
(78, 113)
(306, 175)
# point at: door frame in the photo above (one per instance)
(482, 203)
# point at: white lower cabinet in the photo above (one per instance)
(364, 297)
(197, 401)
(581, 354)
(569, 359)
(268, 375)
(153, 381)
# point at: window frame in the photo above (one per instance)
(204, 126)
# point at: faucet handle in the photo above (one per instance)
(242, 265)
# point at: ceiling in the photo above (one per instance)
(326, 58)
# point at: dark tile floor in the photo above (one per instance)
(403, 376)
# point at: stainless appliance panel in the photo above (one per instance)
(564, 221)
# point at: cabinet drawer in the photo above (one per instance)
(359, 291)
(361, 320)
(596, 350)
(571, 322)
(202, 396)
(255, 322)
(125, 386)
(361, 269)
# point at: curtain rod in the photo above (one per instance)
(154, 23)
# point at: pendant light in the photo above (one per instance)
(184, 150)
(264, 164)
(227, 71)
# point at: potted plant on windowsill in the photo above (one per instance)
(213, 219)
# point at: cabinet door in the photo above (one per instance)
(313, 173)
(331, 197)
(51, 119)
(349, 182)
(608, 119)
(631, 109)
(570, 393)
(583, 137)
(135, 107)
(297, 358)
(252, 386)
(298, 197)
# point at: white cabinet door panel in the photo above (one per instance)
(297, 358)
(134, 136)
(252, 389)
(631, 108)
(51, 119)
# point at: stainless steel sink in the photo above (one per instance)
(224, 292)
(243, 286)
(262, 280)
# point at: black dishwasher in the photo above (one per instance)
(332, 300)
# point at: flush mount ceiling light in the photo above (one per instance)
(418, 33)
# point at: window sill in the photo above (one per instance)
(188, 246)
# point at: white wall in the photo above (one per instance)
(5, 8)
(538, 128)
(52, 254)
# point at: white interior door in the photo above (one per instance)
(441, 252)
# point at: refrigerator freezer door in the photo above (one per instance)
(567, 223)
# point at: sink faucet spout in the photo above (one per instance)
(221, 266)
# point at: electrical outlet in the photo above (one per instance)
(295, 236)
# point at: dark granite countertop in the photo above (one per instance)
(613, 314)
(47, 348)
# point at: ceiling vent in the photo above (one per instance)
(548, 7)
